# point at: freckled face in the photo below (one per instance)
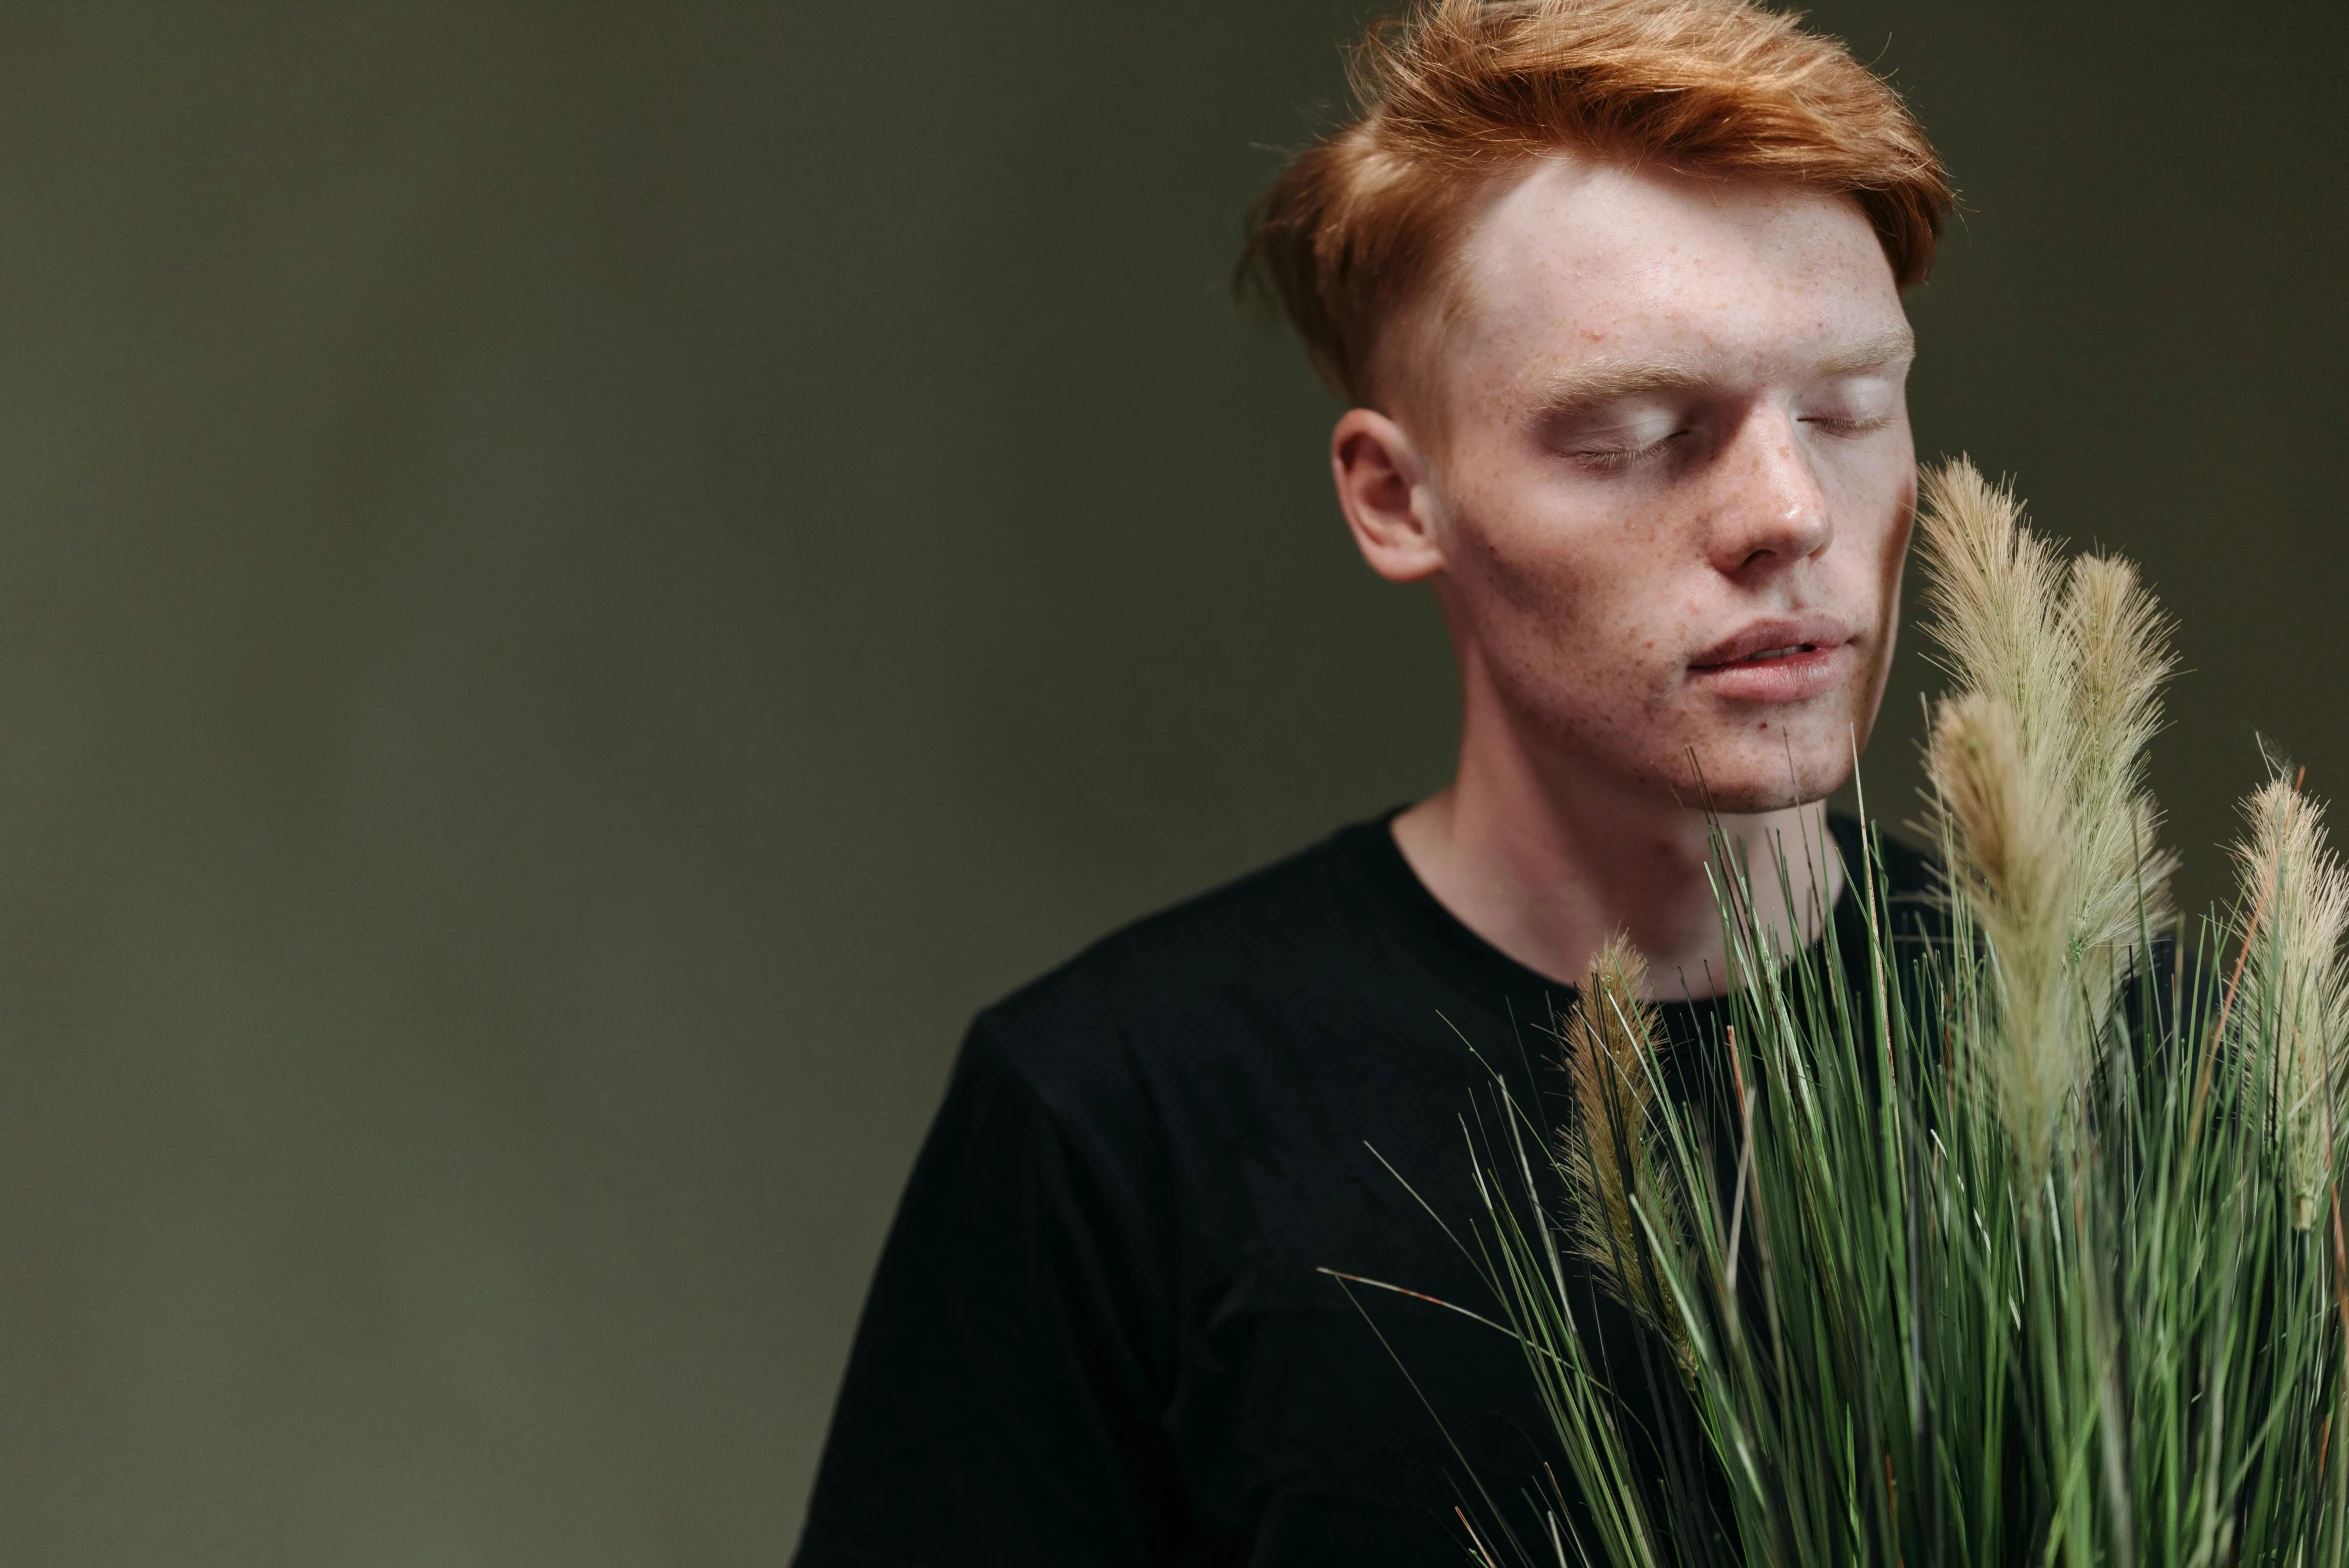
(1672, 476)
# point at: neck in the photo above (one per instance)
(1546, 862)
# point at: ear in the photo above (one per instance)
(1383, 488)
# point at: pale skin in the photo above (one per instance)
(1649, 442)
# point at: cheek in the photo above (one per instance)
(1885, 556)
(1592, 586)
(1581, 624)
(1873, 499)
(1878, 498)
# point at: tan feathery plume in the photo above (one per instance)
(2122, 642)
(1613, 1042)
(1993, 598)
(2291, 1021)
(2038, 763)
(2012, 871)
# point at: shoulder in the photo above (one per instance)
(1206, 976)
(1266, 920)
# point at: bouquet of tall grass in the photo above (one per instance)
(2020, 1245)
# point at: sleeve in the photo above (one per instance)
(1002, 1400)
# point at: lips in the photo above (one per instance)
(1779, 660)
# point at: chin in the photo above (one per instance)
(1747, 779)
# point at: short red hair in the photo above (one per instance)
(1459, 92)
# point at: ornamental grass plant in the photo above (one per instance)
(2017, 1245)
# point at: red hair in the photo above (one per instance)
(1460, 92)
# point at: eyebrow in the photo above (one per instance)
(1870, 353)
(1611, 380)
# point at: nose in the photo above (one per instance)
(1772, 512)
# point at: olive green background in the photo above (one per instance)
(579, 584)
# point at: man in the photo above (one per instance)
(1612, 287)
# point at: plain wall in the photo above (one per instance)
(579, 584)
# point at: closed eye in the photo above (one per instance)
(1838, 425)
(1608, 458)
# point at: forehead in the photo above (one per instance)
(1578, 262)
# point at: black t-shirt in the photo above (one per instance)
(1098, 1334)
